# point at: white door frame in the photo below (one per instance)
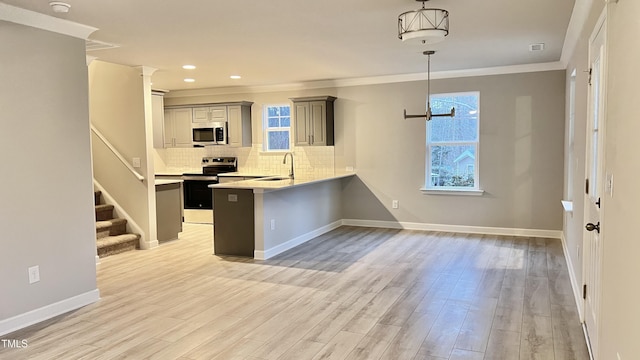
(592, 241)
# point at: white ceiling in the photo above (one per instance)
(292, 41)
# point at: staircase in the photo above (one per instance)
(111, 234)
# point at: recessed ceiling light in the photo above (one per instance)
(188, 67)
(189, 80)
(235, 77)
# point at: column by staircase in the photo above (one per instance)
(111, 233)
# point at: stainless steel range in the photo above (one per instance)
(198, 197)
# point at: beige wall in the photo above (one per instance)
(117, 110)
(296, 212)
(46, 211)
(621, 265)
(520, 154)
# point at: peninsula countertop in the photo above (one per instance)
(167, 181)
(177, 171)
(279, 182)
(248, 174)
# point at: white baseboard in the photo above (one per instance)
(554, 234)
(47, 312)
(577, 289)
(149, 245)
(269, 253)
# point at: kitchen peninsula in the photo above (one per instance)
(264, 217)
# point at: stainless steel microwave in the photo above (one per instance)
(210, 133)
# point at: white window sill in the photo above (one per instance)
(449, 191)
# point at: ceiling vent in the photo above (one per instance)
(536, 47)
(92, 45)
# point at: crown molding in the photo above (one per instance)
(451, 74)
(374, 80)
(146, 70)
(90, 59)
(579, 18)
(37, 20)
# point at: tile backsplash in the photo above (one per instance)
(309, 161)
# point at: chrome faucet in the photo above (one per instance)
(284, 161)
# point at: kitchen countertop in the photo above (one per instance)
(178, 172)
(245, 174)
(272, 185)
(167, 181)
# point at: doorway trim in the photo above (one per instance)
(592, 242)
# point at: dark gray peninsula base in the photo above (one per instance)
(233, 222)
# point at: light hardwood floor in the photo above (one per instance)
(353, 293)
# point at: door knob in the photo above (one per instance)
(591, 227)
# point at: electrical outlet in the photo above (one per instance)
(34, 274)
(394, 204)
(273, 224)
(136, 162)
(349, 168)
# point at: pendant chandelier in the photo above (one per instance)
(429, 114)
(426, 25)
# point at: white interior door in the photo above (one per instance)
(594, 189)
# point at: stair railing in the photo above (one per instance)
(116, 153)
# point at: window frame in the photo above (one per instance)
(453, 190)
(266, 129)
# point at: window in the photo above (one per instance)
(452, 143)
(277, 127)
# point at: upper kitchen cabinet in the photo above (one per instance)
(157, 117)
(313, 119)
(177, 127)
(239, 125)
(210, 114)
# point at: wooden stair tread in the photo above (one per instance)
(103, 207)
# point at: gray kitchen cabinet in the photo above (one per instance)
(178, 122)
(177, 128)
(210, 114)
(168, 210)
(239, 125)
(157, 119)
(313, 121)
